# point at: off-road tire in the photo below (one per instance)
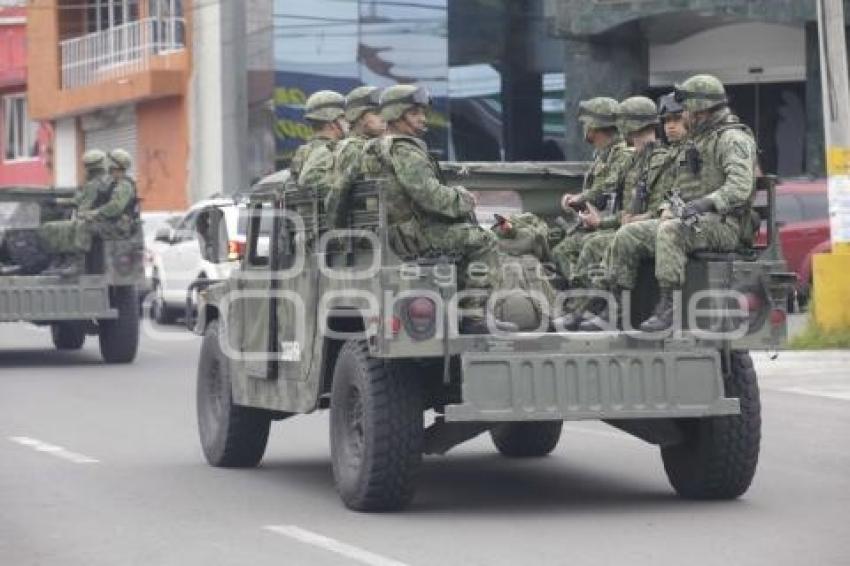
(231, 436)
(68, 335)
(25, 250)
(718, 457)
(119, 337)
(527, 440)
(376, 430)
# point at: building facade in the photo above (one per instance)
(25, 145)
(115, 73)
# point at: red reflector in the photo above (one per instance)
(395, 324)
(777, 317)
(421, 310)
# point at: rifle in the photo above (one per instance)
(678, 208)
(640, 198)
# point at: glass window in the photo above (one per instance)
(19, 133)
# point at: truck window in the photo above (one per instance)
(815, 207)
(788, 208)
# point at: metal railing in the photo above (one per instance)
(119, 50)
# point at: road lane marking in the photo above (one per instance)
(333, 545)
(53, 450)
(842, 393)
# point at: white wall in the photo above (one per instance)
(729, 52)
(65, 152)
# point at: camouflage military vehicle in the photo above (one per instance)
(102, 301)
(335, 320)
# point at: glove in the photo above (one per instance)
(697, 207)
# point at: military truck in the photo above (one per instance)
(102, 301)
(336, 320)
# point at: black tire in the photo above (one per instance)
(719, 455)
(119, 338)
(68, 335)
(231, 436)
(160, 312)
(527, 440)
(376, 431)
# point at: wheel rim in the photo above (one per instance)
(354, 428)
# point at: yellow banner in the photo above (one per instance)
(838, 161)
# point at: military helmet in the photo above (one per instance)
(361, 100)
(599, 112)
(701, 92)
(398, 99)
(636, 113)
(324, 106)
(120, 159)
(668, 106)
(94, 159)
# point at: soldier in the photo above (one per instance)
(598, 117)
(312, 165)
(715, 175)
(646, 180)
(425, 215)
(362, 111)
(112, 213)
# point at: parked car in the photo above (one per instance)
(153, 222)
(177, 261)
(802, 212)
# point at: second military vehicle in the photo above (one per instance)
(101, 301)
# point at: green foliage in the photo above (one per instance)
(816, 338)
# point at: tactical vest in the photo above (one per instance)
(104, 196)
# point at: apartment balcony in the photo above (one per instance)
(141, 60)
(121, 50)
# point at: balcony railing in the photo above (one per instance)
(119, 50)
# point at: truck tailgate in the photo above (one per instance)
(42, 298)
(617, 385)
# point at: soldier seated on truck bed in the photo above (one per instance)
(106, 206)
(425, 215)
(715, 176)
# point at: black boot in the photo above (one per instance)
(572, 317)
(662, 316)
(10, 269)
(67, 265)
(602, 317)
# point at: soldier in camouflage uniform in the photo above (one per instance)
(363, 113)
(427, 217)
(111, 214)
(312, 164)
(715, 175)
(598, 117)
(649, 179)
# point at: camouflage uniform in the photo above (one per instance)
(604, 177)
(715, 174)
(347, 166)
(312, 165)
(318, 170)
(425, 216)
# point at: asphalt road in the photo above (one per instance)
(100, 465)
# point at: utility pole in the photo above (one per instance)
(832, 286)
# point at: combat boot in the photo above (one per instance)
(10, 269)
(583, 309)
(68, 265)
(607, 316)
(662, 316)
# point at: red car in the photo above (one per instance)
(802, 213)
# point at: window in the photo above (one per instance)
(19, 133)
(815, 207)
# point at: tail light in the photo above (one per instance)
(235, 250)
(777, 317)
(420, 316)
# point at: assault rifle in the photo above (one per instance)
(679, 209)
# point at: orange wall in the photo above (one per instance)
(163, 153)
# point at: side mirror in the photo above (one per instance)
(211, 230)
(163, 235)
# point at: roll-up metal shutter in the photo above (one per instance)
(110, 129)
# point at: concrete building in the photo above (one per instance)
(115, 73)
(765, 51)
(25, 145)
